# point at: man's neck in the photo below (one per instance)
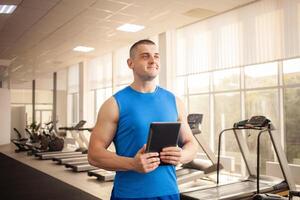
(144, 87)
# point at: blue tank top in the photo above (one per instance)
(136, 111)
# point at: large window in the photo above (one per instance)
(73, 95)
(61, 97)
(100, 83)
(264, 75)
(263, 102)
(231, 68)
(44, 99)
(291, 78)
(227, 112)
(200, 104)
(123, 73)
(226, 79)
(238, 93)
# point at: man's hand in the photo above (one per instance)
(171, 155)
(146, 162)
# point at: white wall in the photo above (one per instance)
(4, 116)
(18, 120)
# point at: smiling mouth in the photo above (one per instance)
(153, 67)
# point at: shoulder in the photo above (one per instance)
(109, 109)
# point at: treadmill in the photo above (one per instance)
(49, 155)
(253, 184)
(69, 158)
(198, 168)
(102, 175)
(80, 166)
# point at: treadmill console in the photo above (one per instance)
(258, 121)
(194, 120)
(255, 121)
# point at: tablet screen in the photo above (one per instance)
(161, 135)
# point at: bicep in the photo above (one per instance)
(104, 130)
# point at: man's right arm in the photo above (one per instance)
(102, 136)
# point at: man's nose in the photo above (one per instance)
(151, 59)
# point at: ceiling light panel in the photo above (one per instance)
(83, 49)
(7, 9)
(130, 28)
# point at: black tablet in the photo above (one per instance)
(161, 135)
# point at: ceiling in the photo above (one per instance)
(39, 36)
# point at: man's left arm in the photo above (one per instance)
(177, 155)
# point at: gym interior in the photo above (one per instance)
(234, 64)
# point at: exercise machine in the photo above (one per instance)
(198, 168)
(70, 142)
(246, 188)
(20, 142)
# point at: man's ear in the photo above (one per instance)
(130, 63)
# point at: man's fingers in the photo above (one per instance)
(149, 155)
(170, 153)
(175, 149)
(167, 158)
(153, 160)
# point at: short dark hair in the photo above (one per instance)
(135, 45)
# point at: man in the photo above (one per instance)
(125, 119)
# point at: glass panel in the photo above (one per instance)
(198, 83)
(46, 116)
(61, 98)
(263, 75)
(73, 105)
(227, 112)
(292, 125)
(73, 79)
(200, 104)
(69, 109)
(101, 96)
(181, 67)
(38, 116)
(100, 72)
(90, 109)
(180, 86)
(263, 102)
(28, 112)
(123, 72)
(226, 79)
(291, 71)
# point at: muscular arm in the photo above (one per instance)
(175, 155)
(102, 136)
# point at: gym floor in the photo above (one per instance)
(79, 180)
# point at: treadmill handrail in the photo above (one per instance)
(258, 159)
(220, 140)
(285, 170)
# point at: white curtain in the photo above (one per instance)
(73, 79)
(123, 73)
(100, 72)
(260, 32)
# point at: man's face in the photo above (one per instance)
(145, 62)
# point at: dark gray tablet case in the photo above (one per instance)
(162, 134)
